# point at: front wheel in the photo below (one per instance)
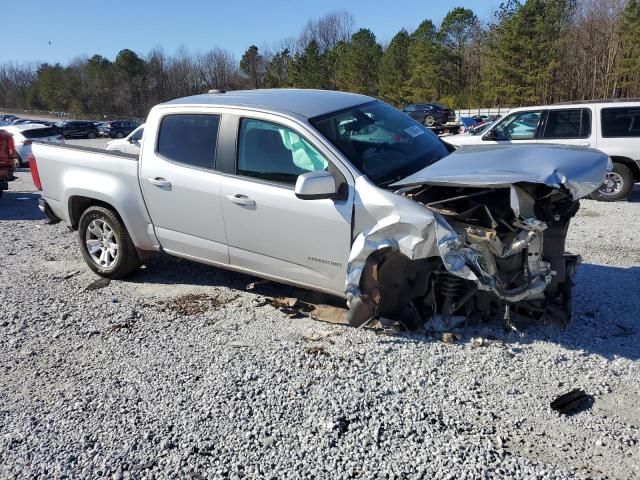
(429, 120)
(105, 243)
(617, 184)
(91, 135)
(119, 135)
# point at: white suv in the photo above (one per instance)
(612, 126)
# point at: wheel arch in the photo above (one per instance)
(78, 204)
(631, 164)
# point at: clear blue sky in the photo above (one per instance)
(77, 28)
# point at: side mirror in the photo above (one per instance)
(490, 135)
(315, 186)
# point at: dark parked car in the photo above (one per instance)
(430, 114)
(118, 128)
(77, 129)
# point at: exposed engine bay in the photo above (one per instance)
(501, 255)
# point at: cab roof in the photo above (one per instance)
(303, 102)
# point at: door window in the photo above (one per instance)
(519, 126)
(273, 152)
(137, 136)
(621, 122)
(189, 139)
(571, 123)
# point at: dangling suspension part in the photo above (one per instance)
(449, 289)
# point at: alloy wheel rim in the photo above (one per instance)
(612, 185)
(101, 243)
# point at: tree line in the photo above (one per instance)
(528, 52)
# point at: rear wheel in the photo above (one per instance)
(119, 135)
(91, 135)
(17, 162)
(105, 243)
(617, 184)
(429, 120)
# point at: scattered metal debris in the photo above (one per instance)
(257, 283)
(144, 466)
(66, 275)
(120, 326)
(97, 284)
(448, 337)
(573, 402)
(479, 342)
(316, 350)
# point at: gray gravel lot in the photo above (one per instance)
(128, 382)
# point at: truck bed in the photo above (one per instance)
(71, 173)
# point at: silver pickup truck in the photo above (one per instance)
(335, 192)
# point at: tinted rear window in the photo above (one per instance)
(621, 122)
(189, 139)
(570, 123)
(40, 133)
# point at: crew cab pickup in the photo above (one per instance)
(335, 192)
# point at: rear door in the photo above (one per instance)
(620, 131)
(568, 126)
(271, 231)
(181, 185)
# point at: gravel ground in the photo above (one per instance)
(176, 373)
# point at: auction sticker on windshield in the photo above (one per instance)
(414, 131)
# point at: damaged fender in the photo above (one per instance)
(478, 220)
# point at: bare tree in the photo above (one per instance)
(217, 68)
(327, 31)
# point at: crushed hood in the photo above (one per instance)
(580, 170)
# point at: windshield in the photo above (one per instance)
(382, 142)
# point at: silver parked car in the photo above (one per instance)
(335, 192)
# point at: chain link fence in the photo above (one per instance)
(471, 112)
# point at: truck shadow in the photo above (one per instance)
(606, 313)
(634, 197)
(20, 206)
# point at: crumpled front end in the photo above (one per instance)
(466, 252)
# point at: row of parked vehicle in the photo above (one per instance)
(77, 128)
(25, 131)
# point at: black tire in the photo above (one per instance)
(429, 120)
(623, 179)
(119, 135)
(126, 260)
(91, 135)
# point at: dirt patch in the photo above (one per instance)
(191, 304)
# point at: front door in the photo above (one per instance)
(182, 188)
(269, 229)
(518, 127)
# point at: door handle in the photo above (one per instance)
(159, 182)
(241, 200)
